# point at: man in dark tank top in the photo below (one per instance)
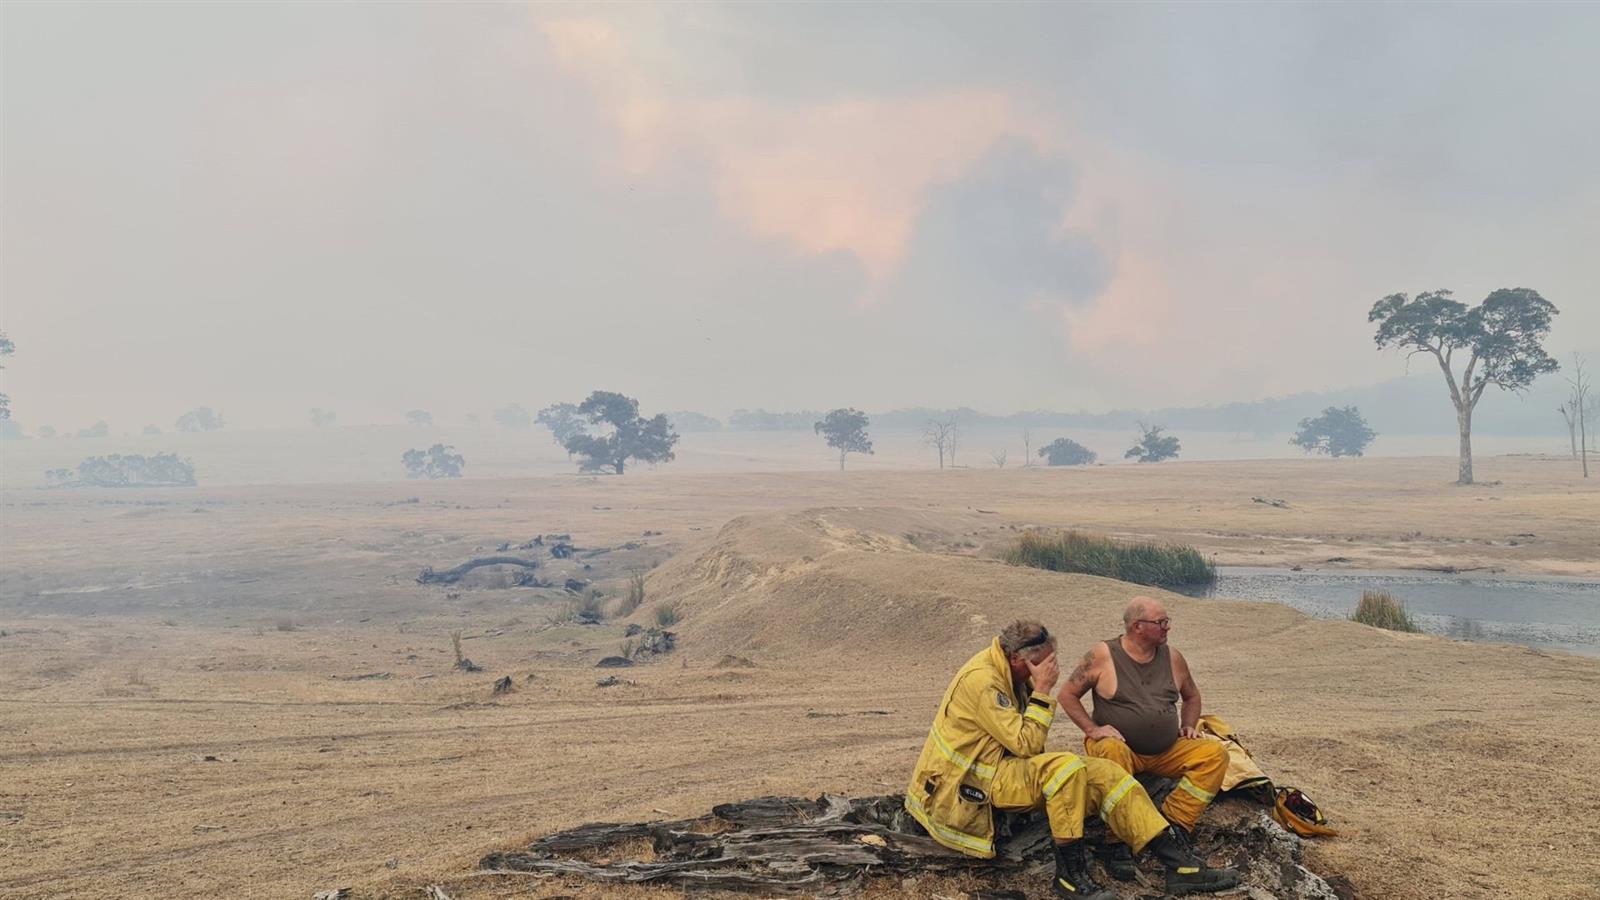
(1138, 682)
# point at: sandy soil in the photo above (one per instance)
(147, 631)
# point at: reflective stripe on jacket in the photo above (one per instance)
(980, 722)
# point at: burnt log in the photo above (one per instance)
(832, 845)
(773, 842)
(451, 576)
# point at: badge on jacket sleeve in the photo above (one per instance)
(1001, 698)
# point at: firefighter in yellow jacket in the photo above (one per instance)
(985, 750)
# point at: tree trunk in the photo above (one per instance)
(1464, 420)
(1583, 431)
(451, 576)
(841, 460)
(619, 464)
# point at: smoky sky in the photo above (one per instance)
(372, 208)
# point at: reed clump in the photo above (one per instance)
(1381, 610)
(1139, 562)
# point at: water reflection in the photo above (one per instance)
(1550, 613)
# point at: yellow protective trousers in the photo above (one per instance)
(1070, 787)
(1197, 764)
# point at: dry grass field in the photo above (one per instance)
(183, 712)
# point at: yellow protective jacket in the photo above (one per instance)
(1243, 773)
(980, 721)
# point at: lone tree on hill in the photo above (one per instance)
(1584, 408)
(1339, 431)
(563, 421)
(201, 418)
(1502, 338)
(419, 418)
(631, 437)
(322, 418)
(435, 462)
(1152, 446)
(1067, 452)
(845, 431)
(942, 437)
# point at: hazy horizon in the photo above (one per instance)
(265, 208)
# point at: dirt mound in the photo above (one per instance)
(857, 582)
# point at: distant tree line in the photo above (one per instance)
(686, 421)
(761, 420)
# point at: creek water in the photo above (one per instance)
(1550, 613)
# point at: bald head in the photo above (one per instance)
(1142, 608)
(1145, 622)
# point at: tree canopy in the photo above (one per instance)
(1502, 338)
(845, 430)
(131, 470)
(6, 349)
(1067, 452)
(630, 435)
(513, 416)
(201, 418)
(1153, 446)
(564, 422)
(435, 462)
(1339, 431)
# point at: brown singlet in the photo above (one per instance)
(1145, 707)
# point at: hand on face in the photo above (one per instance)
(1044, 674)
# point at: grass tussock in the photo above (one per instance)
(589, 609)
(1381, 610)
(1159, 565)
(634, 598)
(666, 615)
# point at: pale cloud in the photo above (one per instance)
(844, 175)
(1135, 312)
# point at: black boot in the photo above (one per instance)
(1117, 860)
(1072, 874)
(1187, 873)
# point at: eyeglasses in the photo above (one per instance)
(1163, 623)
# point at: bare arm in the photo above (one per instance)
(1190, 692)
(1083, 678)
